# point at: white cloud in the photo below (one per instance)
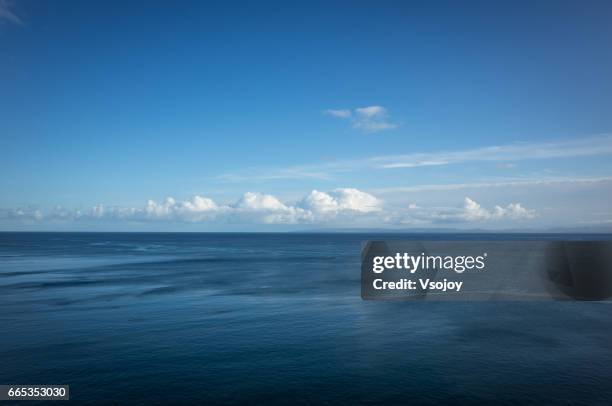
(498, 184)
(252, 207)
(268, 209)
(474, 212)
(257, 201)
(199, 204)
(598, 145)
(514, 211)
(320, 202)
(356, 200)
(344, 206)
(500, 154)
(368, 119)
(373, 126)
(471, 212)
(196, 209)
(7, 14)
(371, 111)
(338, 113)
(341, 200)
(22, 214)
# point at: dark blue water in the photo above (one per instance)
(265, 318)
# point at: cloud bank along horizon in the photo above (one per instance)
(343, 206)
(391, 206)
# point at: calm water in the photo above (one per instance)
(264, 318)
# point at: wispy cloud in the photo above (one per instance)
(506, 153)
(496, 184)
(338, 113)
(597, 145)
(7, 14)
(259, 175)
(369, 119)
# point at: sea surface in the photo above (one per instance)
(144, 318)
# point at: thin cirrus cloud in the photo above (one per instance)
(340, 206)
(588, 146)
(7, 14)
(505, 153)
(497, 184)
(338, 113)
(370, 119)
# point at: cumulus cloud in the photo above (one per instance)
(23, 214)
(268, 209)
(7, 14)
(257, 202)
(368, 119)
(341, 200)
(514, 211)
(470, 212)
(475, 212)
(339, 206)
(252, 207)
(196, 209)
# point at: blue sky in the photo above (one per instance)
(278, 115)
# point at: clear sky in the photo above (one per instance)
(183, 115)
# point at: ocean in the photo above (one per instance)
(143, 318)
